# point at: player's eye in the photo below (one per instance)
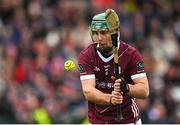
(103, 32)
(94, 33)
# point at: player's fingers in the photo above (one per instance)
(118, 80)
(117, 87)
(116, 94)
(118, 101)
(117, 98)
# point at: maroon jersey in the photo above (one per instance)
(92, 65)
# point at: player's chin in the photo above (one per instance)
(105, 49)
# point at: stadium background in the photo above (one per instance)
(37, 36)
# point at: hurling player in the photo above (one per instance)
(101, 90)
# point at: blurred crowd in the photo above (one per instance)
(38, 36)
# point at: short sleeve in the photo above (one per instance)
(85, 67)
(136, 66)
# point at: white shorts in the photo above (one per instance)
(137, 123)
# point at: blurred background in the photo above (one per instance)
(37, 36)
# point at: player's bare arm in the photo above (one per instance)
(140, 89)
(94, 95)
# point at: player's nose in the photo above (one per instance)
(99, 36)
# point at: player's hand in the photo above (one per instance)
(117, 85)
(116, 98)
(120, 85)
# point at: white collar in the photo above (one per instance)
(110, 57)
